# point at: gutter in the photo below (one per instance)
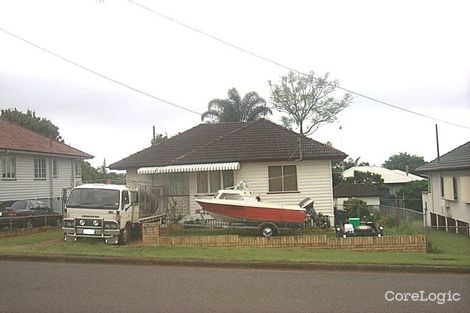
(306, 266)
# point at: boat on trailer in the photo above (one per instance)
(239, 205)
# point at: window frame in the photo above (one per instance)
(77, 169)
(8, 167)
(454, 187)
(222, 179)
(55, 168)
(40, 169)
(283, 179)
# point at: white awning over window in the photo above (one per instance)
(189, 168)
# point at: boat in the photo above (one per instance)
(239, 204)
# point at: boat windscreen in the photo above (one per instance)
(230, 196)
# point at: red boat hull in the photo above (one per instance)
(255, 214)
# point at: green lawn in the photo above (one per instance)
(447, 249)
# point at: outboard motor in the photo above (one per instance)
(307, 204)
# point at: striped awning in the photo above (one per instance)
(185, 168)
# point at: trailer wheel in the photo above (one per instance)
(268, 230)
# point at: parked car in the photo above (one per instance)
(5, 205)
(25, 208)
(27, 212)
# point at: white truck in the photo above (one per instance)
(101, 211)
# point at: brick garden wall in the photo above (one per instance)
(151, 234)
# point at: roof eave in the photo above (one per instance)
(27, 151)
(443, 168)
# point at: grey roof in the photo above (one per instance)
(261, 140)
(457, 159)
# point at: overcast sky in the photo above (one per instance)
(414, 54)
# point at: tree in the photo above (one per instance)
(158, 138)
(29, 120)
(340, 167)
(404, 161)
(410, 194)
(370, 179)
(308, 101)
(367, 178)
(350, 162)
(236, 109)
(356, 208)
(100, 174)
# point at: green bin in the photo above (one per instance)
(354, 221)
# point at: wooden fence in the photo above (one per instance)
(152, 234)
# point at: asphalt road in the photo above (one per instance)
(57, 287)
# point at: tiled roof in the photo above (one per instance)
(354, 190)
(17, 138)
(457, 159)
(260, 140)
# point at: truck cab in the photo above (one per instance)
(101, 211)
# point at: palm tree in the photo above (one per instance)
(235, 109)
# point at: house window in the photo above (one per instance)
(282, 178)
(78, 169)
(8, 167)
(442, 187)
(227, 179)
(178, 184)
(55, 172)
(39, 168)
(213, 181)
(202, 186)
(454, 185)
(449, 188)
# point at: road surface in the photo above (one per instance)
(58, 287)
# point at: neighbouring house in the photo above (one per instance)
(276, 163)
(393, 179)
(447, 201)
(33, 166)
(368, 194)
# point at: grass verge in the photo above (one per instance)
(448, 250)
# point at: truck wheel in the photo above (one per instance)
(125, 235)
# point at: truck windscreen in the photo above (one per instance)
(91, 198)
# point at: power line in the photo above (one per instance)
(272, 61)
(97, 73)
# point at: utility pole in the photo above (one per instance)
(437, 146)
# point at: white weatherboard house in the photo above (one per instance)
(33, 166)
(393, 179)
(276, 163)
(447, 202)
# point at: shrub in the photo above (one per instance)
(356, 208)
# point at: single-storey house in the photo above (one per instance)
(344, 192)
(393, 179)
(276, 163)
(33, 166)
(447, 201)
